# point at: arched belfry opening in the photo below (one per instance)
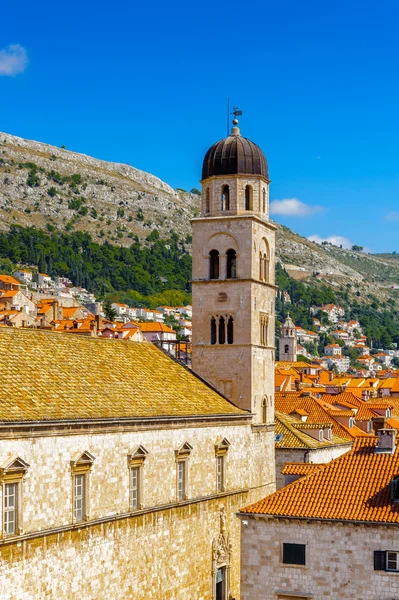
(207, 201)
(231, 264)
(213, 264)
(264, 200)
(248, 197)
(225, 198)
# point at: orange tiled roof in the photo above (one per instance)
(9, 279)
(155, 327)
(293, 468)
(353, 487)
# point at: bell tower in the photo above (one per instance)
(288, 342)
(233, 276)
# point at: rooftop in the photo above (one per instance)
(53, 376)
(353, 487)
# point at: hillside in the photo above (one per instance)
(53, 188)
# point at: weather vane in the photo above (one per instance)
(236, 113)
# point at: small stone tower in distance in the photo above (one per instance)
(287, 343)
(233, 277)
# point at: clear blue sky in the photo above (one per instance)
(146, 83)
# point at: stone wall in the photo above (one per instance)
(339, 561)
(163, 550)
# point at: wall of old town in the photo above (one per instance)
(339, 561)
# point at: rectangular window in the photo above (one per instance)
(10, 508)
(392, 561)
(80, 497)
(294, 554)
(220, 473)
(135, 488)
(181, 480)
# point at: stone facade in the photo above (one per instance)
(288, 347)
(339, 560)
(164, 549)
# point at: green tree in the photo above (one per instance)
(110, 313)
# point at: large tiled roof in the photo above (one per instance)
(53, 376)
(353, 487)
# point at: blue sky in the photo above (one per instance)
(147, 84)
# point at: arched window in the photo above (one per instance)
(207, 201)
(248, 197)
(264, 200)
(264, 410)
(213, 330)
(286, 349)
(213, 264)
(225, 199)
(260, 266)
(222, 331)
(265, 268)
(230, 330)
(231, 265)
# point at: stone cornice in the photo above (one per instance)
(251, 216)
(29, 429)
(235, 280)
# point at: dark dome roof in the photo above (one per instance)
(235, 155)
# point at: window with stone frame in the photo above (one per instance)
(221, 449)
(12, 473)
(81, 466)
(136, 468)
(386, 560)
(263, 324)
(182, 456)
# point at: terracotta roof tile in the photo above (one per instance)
(353, 487)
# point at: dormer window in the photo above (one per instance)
(321, 436)
(351, 422)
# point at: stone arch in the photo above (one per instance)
(214, 264)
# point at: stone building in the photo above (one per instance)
(288, 341)
(122, 471)
(331, 534)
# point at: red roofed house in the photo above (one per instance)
(331, 534)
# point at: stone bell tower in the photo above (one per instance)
(288, 342)
(233, 276)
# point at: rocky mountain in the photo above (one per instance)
(52, 187)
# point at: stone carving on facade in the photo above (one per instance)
(221, 554)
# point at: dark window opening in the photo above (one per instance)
(208, 201)
(222, 331)
(264, 410)
(230, 330)
(231, 271)
(213, 330)
(225, 198)
(213, 264)
(265, 268)
(264, 200)
(394, 489)
(248, 197)
(286, 349)
(221, 584)
(294, 554)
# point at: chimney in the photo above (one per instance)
(93, 328)
(297, 385)
(386, 441)
(99, 322)
(378, 423)
(55, 310)
(331, 375)
(365, 395)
